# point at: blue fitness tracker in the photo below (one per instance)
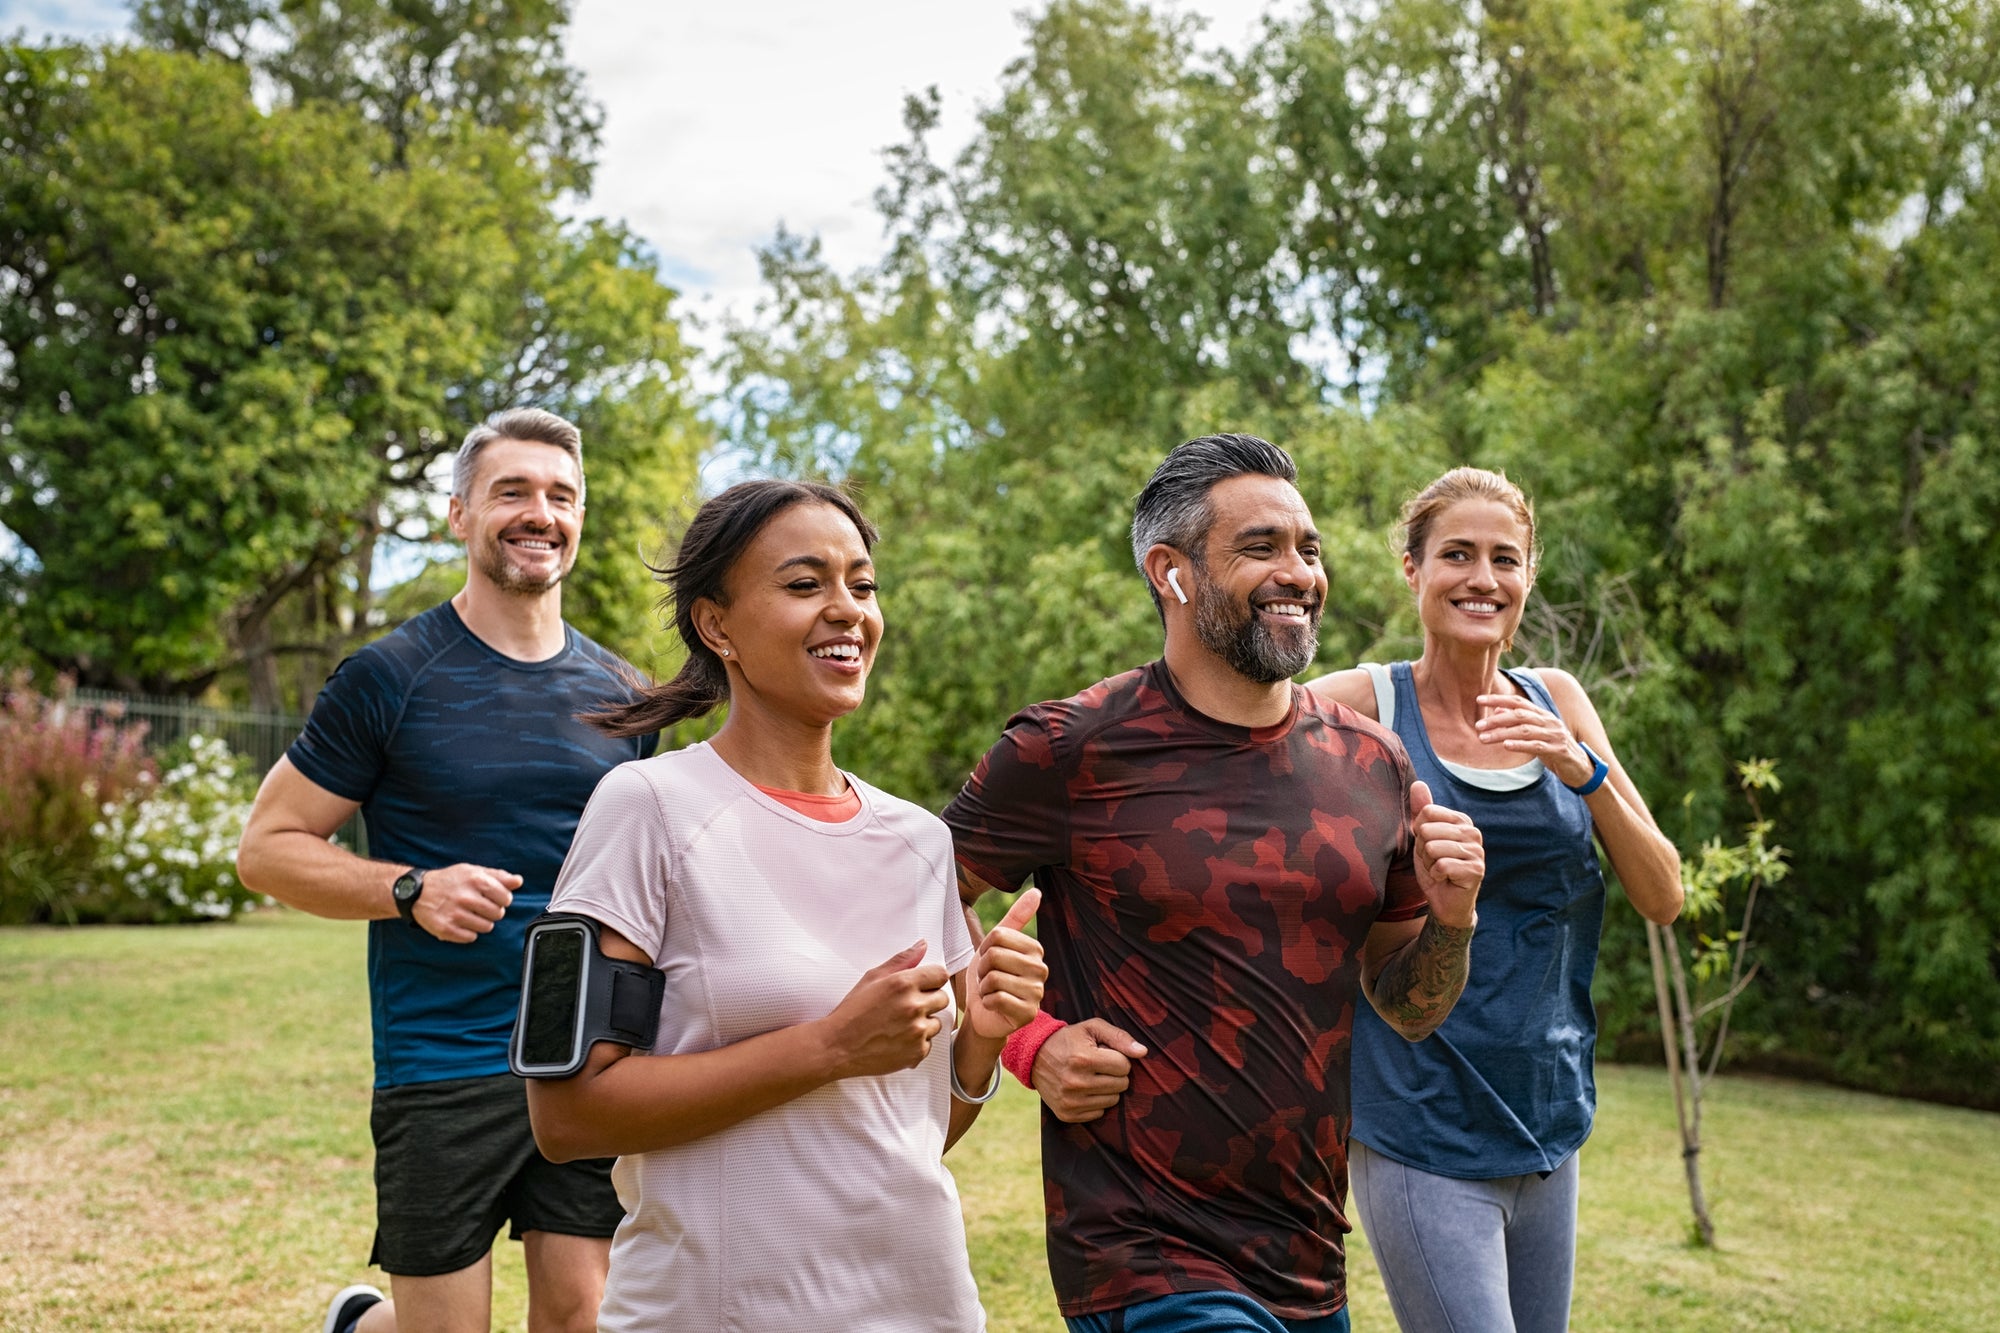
(1599, 770)
(573, 997)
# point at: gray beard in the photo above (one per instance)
(491, 557)
(1252, 648)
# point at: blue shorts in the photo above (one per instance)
(1203, 1312)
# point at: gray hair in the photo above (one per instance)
(1173, 510)
(522, 423)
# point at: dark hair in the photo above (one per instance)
(721, 531)
(1173, 510)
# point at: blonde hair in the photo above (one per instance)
(1420, 513)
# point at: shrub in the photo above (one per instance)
(60, 767)
(92, 831)
(170, 855)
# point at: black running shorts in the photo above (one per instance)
(455, 1159)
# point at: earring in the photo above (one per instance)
(725, 652)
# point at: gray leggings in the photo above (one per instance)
(1469, 1256)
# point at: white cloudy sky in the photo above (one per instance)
(724, 119)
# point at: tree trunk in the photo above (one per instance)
(260, 664)
(252, 632)
(1683, 1066)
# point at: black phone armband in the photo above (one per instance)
(573, 997)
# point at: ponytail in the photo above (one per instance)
(700, 686)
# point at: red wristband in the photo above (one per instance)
(1018, 1055)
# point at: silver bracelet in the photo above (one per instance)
(958, 1089)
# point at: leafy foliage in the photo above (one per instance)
(1717, 867)
(234, 341)
(196, 292)
(1716, 283)
(1689, 1018)
(94, 828)
(416, 70)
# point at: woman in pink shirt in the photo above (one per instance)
(829, 1026)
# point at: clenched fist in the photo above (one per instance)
(1450, 856)
(460, 903)
(889, 1019)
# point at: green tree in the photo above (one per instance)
(1094, 273)
(188, 283)
(234, 345)
(1716, 282)
(415, 68)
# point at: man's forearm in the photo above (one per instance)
(971, 888)
(284, 852)
(1421, 981)
(309, 873)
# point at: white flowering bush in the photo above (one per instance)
(168, 851)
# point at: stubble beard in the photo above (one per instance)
(491, 557)
(1253, 649)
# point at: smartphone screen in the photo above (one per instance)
(555, 986)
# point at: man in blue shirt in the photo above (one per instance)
(457, 738)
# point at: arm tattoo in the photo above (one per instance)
(970, 886)
(1419, 983)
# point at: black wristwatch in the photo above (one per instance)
(409, 887)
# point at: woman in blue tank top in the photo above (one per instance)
(1463, 1152)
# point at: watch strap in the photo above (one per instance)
(1599, 770)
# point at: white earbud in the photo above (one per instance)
(1174, 582)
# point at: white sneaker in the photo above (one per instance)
(348, 1304)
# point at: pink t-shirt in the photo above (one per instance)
(833, 1211)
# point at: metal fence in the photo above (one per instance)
(260, 739)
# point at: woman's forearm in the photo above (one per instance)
(977, 1060)
(624, 1104)
(1646, 863)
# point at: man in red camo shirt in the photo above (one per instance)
(1228, 865)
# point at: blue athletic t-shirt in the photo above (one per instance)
(458, 753)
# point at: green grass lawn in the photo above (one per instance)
(184, 1146)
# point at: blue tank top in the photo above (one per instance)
(1504, 1086)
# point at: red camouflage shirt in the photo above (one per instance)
(1207, 888)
